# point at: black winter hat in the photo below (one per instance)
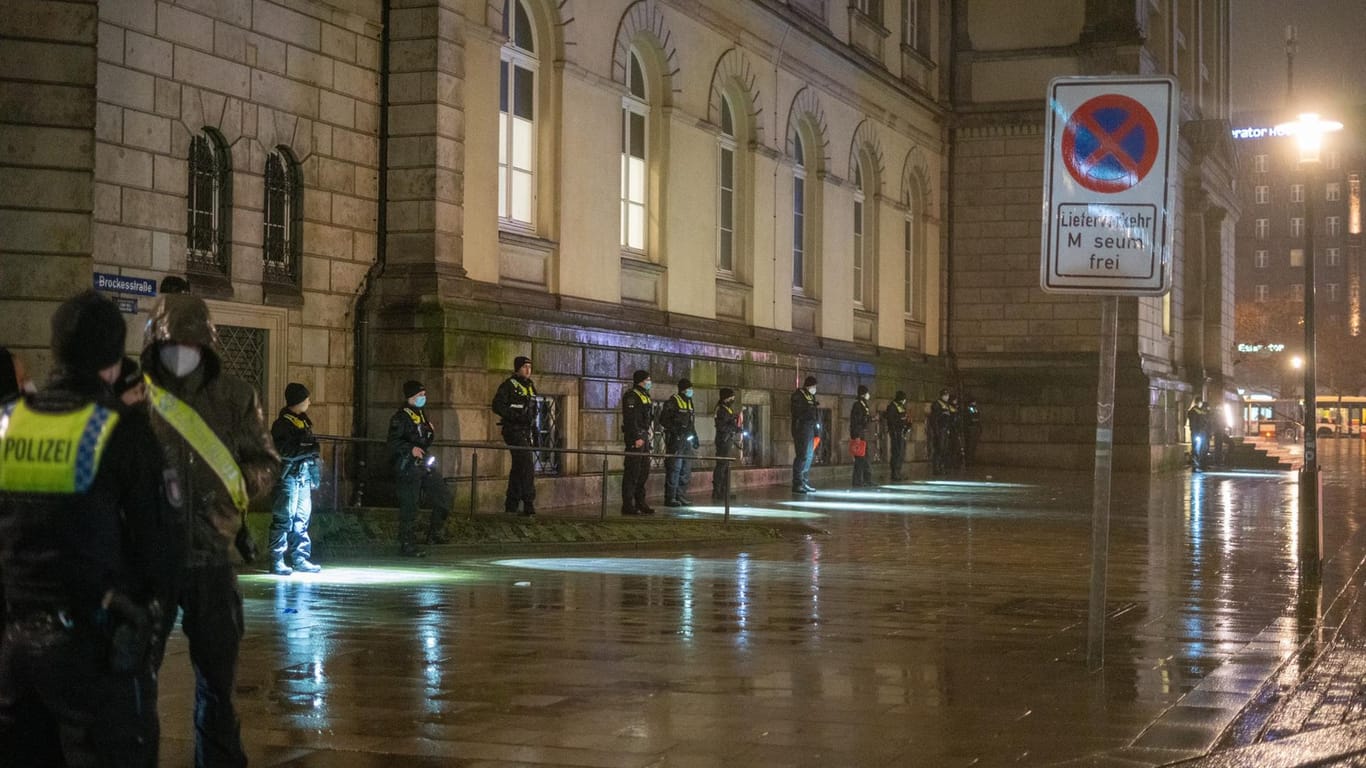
(639, 376)
(809, 381)
(411, 387)
(129, 376)
(727, 392)
(520, 361)
(862, 390)
(900, 396)
(684, 383)
(88, 333)
(296, 393)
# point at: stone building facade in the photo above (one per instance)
(742, 193)
(1030, 356)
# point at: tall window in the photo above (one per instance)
(870, 8)
(1262, 229)
(1262, 292)
(635, 111)
(798, 215)
(283, 220)
(1332, 257)
(1297, 257)
(725, 215)
(1259, 163)
(1296, 226)
(1334, 225)
(1260, 259)
(908, 254)
(1330, 160)
(912, 26)
(1332, 290)
(860, 257)
(209, 205)
(1296, 193)
(1263, 194)
(1332, 192)
(517, 72)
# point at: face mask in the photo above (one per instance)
(421, 401)
(29, 388)
(811, 390)
(945, 398)
(645, 385)
(180, 359)
(688, 393)
(866, 396)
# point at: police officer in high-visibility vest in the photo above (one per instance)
(291, 546)
(806, 426)
(90, 544)
(515, 404)
(213, 432)
(897, 422)
(729, 421)
(637, 429)
(416, 471)
(679, 421)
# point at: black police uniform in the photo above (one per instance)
(300, 474)
(728, 438)
(805, 425)
(87, 559)
(637, 422)
(943, 430)
(972, 430)
(894, 417)
(515, 404)
(679, 421)
(408, 429)
(860, 417)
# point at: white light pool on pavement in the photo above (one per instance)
(789, 514)
(347, 575)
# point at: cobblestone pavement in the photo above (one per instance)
(935, 623)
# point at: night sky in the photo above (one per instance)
(1330, 60)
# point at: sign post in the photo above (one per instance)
(1107, 231)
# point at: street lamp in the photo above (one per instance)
(1309, 131)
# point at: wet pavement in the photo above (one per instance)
(933, 623)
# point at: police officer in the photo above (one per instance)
(1198, 418)
(679, 422)
(860, 419)
(291, 548)
(897, 421)
(89, 547)
(515, 404)
(416, 471)
(637, 429)
(805, 426)
(941, 422)
(729, 435)
(972, 430)
(213, 433)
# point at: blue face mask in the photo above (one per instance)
(421, 401)
(688, 393)
(646, 385)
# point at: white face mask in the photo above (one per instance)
(180, 359)
(811, 390)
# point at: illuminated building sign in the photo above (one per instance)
(1255, 348)
(1258, 132)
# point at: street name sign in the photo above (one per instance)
(1109, 173)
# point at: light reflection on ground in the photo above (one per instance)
(788, 514)
(349, 575)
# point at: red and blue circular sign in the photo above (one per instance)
(1110, 143)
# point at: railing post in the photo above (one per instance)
(725, 490)
(336, 477)
(474, 482)
(602, 512)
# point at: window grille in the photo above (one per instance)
(824, 451)
(283, 222)
(244, 354)
(546, 434)
(209, 206)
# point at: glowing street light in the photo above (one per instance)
(1308, 132)
(1296, 362)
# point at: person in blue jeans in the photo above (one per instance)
(805, 426)
(291, 547)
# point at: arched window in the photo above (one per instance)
(799, 205)
(860, 258)
(208, 214)
(517, 75)
(283, 219)
(635, 114)
(725, 261)
(908, 235)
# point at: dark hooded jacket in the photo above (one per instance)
(232, 410)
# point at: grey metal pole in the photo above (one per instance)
(474, 482)
(602, 512)
(1310, 511)
(725, 490)
(1100, 504)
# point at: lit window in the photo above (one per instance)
(517, 74)
(1263, 194)
(1260, 259)
(635, 112)
(1263, 229)
(1297, 257)
(1332, 257)
(1332, 192)
(725, 260)
(208, 205)
(283, 219)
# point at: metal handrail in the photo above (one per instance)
(359, 492)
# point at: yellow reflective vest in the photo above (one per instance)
(52, 452)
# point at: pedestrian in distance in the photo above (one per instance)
(679, 422)
(214, 435)
(515, 404)
(805, 429)
(860, 423)
(416, 472)
(729, 437)
(972, 430)
(291, 546)
(637, 429)
(897, 421)
(91, 544)
(1198, 419)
